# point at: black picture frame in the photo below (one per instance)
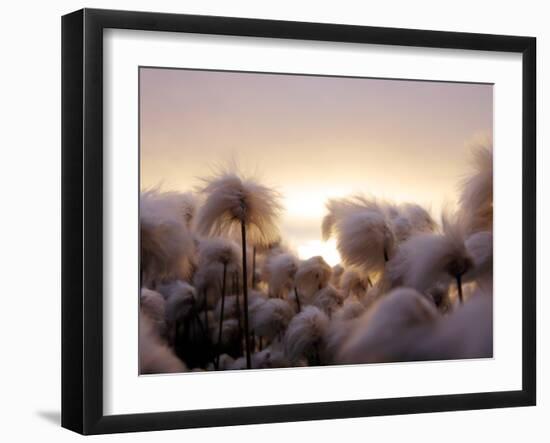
(82, 219)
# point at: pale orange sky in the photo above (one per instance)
(311, 138)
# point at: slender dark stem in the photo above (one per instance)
(245, 294)
(198, 321)
(205, 309)
(254, 267)
(297, 296)
(239, 322)
(459, 287)
(221, 318)
(260, 343)
(385, 255)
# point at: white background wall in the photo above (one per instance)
(30, 218)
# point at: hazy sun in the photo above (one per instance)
(327, 250)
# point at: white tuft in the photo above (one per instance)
(367, 230)
(155, 357)
(480, 248)
(328, 299)
(313, 274)
(341, 326)
(279, 272)
(419, 218)
(180, 205)
(353, 284)
(231, 200)
(214, 253)
(152, 304)
(339, 208)
(476, 198)
(426, 260)
(387, 330)
(350, 309)
(336, 276)
(166, 243)
(401, 227)
(270, 317)
(219, 250)
(180, 301)
(364, 240)
(305, 335)
(465, 333)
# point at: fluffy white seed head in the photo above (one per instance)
(180, 205)
(353, 284)
(279, 272)
(365, 240)
(480, 248)
(152, 304)
(313, 274)
(305, 335)
(387, 330)
(270, 317)
(476, 197)
(181, 299)
(350, 309)
(399, 221)
(219, 250)
(426, 260)
(231, 200)
(213, 254)
(340, 208)
(418, 217)
(340, 327)
(178, 288)
(409, 219)
(336, 276)
(155, 357)
(401, 227)
(467, 332)
(188, 202)
(166, 243)
(328, 299)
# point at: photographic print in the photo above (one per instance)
(294, 204)
(292, 220)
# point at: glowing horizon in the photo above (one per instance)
(311, 138)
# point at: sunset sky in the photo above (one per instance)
(311, 138)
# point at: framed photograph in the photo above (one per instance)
(269, 221)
